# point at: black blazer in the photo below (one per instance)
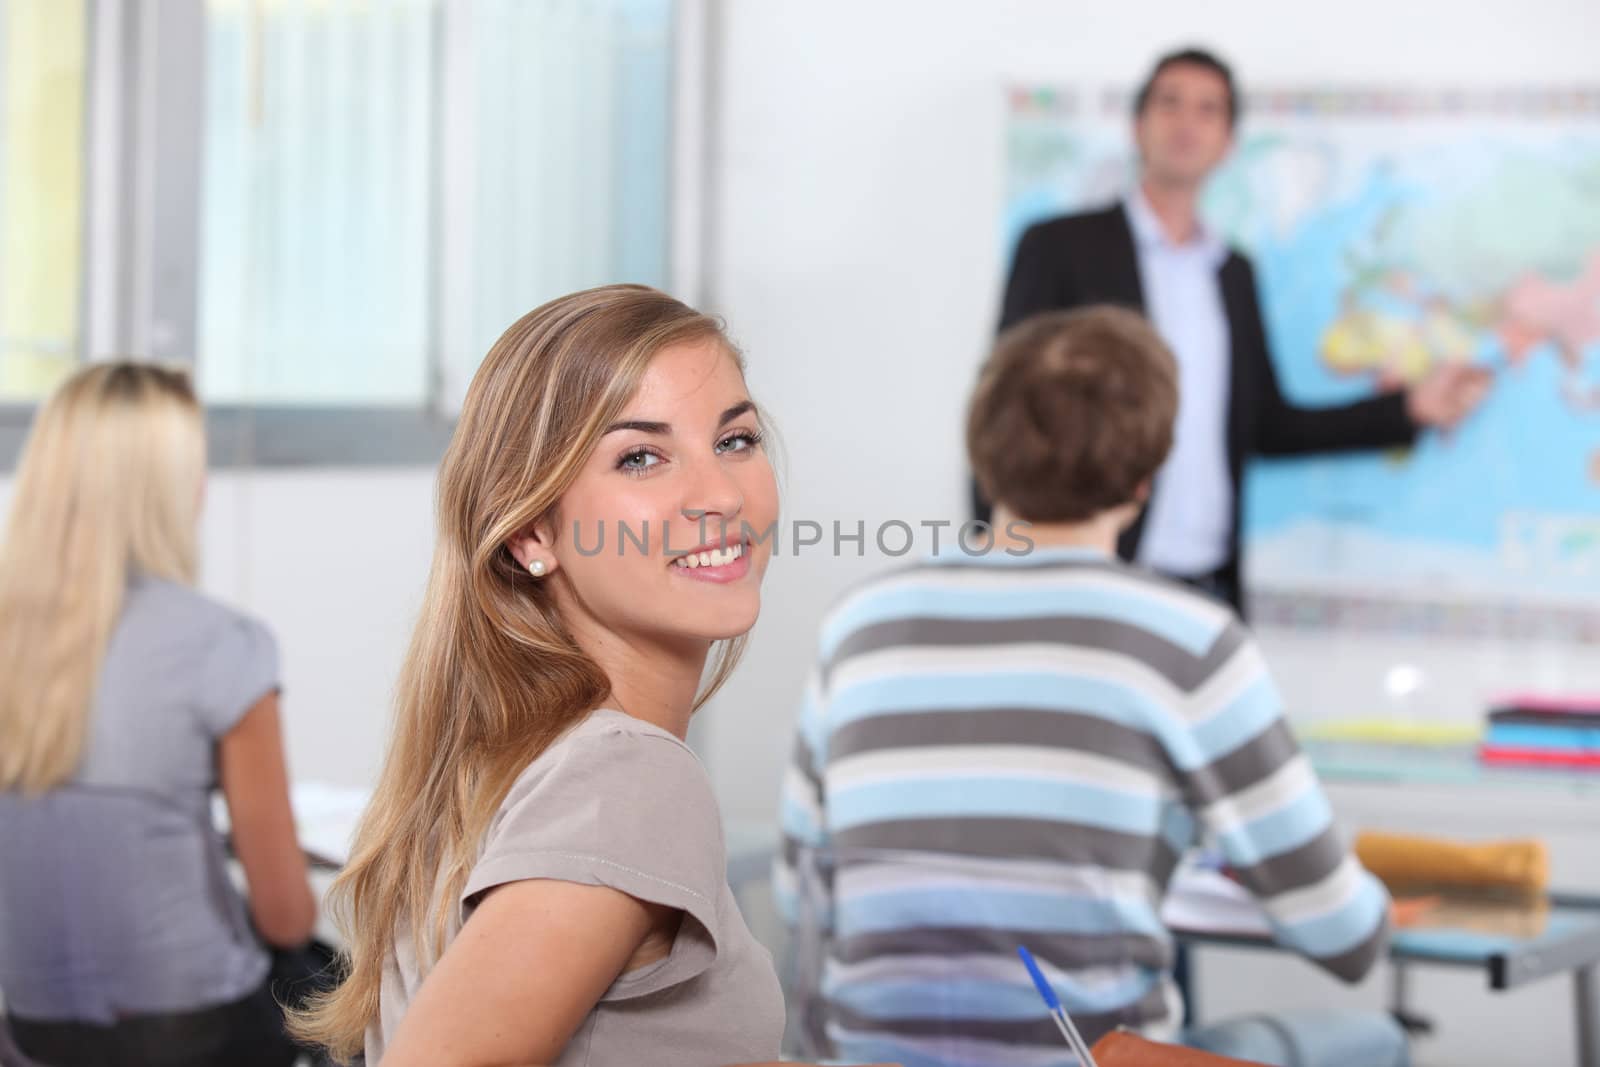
(1090, 259)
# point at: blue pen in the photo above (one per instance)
(1063, 1022)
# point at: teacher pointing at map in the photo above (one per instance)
(1151, 251)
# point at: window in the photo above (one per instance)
(330, 207)
(317, 159)
(351, 149)
(568, 119)
(42, 77)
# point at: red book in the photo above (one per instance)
(1544, 757)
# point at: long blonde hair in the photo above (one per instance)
(492, 675)
(109, 483)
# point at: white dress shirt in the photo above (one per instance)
(1189, 521)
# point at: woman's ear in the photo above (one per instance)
(534, 549)
(1141, 495)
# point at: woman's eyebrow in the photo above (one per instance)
(735, 411)
(665, 428)
(661, 428)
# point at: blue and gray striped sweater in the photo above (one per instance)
(1000, 750)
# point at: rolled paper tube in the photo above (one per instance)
(1524, 920)
(1409, 864)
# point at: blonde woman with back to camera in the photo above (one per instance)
(126, 697)
(541, 875)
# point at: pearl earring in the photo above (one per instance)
(536, 568)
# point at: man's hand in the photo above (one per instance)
(1447, 395)
(1408, 911)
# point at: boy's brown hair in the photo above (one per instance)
(1073, 413)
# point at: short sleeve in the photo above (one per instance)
(241, 667)
(630, 811)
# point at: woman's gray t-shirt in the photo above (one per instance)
(621, 803)
(114, 892)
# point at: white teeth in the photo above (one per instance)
(714, 557)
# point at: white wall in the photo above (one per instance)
(335, 562)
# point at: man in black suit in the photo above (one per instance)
(1152, 253)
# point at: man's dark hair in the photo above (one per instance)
(1194, 57)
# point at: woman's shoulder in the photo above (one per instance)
(611, 746)
(612, 726)
(179, 609)
(612, 766)
(612, 799)
(174, 645)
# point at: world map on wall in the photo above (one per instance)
(1393, 231)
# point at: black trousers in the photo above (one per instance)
(244, 1033)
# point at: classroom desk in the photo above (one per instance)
(1365, 762)
(1568, 943)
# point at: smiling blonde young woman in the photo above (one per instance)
(541, 876)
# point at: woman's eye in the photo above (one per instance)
(739, 442)
(636, 462)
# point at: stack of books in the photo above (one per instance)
(1544, 731)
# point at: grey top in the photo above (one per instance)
(621, 803)
(114, 892)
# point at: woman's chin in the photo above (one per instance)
(726, 625)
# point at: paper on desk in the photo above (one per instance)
(325, 818)
(1201, 899)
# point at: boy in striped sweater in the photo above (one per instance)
(1017, 746)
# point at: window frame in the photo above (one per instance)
(141, 219)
